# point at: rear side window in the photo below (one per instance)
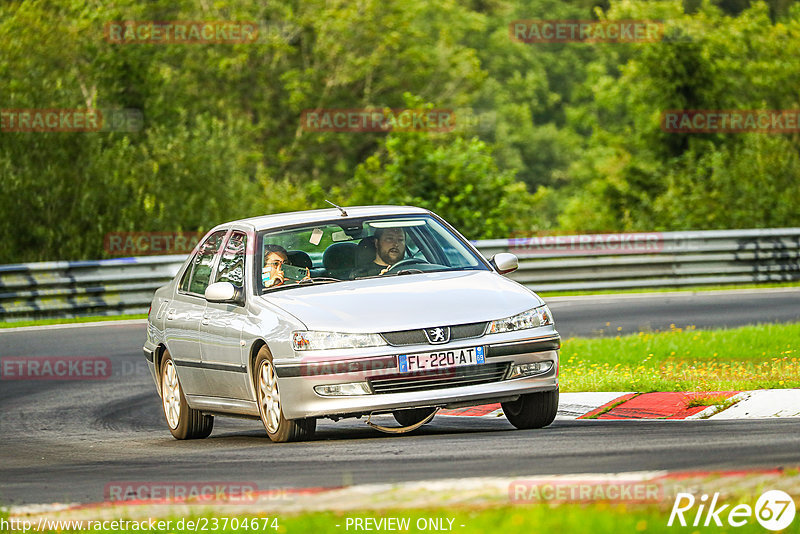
(198, 273)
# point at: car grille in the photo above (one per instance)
(417, 337)
(442, 378)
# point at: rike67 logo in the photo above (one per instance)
(774, 510)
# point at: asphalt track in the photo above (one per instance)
(604, 315)
(64, 441)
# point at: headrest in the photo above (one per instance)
(340, 256)
(298, 258)
(365, 251)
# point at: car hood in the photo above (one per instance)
(405, 302)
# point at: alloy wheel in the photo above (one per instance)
(270, 396)
(171, 395)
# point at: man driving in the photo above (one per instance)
(390, 248)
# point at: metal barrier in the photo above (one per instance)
(653, 260)
(549, 263)
(83, 288)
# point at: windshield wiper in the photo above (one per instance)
(307, 281)
(315, 279)
(410, 271)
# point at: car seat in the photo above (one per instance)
(365, 251)
(339, 260)
(298, 258)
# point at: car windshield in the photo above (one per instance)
(354, 249)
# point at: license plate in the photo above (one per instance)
(441, 359)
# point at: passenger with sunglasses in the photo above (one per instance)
(274, 258)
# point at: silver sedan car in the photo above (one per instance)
(350, 312)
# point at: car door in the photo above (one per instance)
(222, 325)
(185, 313)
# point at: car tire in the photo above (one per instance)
(279, 429)
(413, 416)
(533, 410)
(183, 421)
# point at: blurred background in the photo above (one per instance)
(551, 137)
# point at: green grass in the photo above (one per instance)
(610, 407)
(711, 400)
(749, 357)
(70, 320)
(524, 519)
(572, 518)
(545, 294)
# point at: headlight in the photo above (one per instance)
(308, 340)
(529, 369)
(540, 316)
(336, 390)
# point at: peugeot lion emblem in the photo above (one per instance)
(438, 335)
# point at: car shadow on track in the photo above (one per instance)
(352, 429)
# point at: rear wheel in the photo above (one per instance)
(411, 417)
(534, 410)
(183, 422)
(270, 406)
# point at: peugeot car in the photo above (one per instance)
(347, 312)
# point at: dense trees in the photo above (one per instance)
(551, 136)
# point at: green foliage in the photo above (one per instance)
(452, 176)
(634, 176)
(569, 135)
(736, 359)
(180, 177)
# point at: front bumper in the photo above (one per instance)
(300, 400)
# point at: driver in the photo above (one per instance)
(390, 248)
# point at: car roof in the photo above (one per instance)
(278, 220)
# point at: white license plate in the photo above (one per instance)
(441, 359)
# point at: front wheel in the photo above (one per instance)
(412, 416)
(533, 410)
(184, 422)
(279, 429)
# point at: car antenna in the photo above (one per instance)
(344, 213)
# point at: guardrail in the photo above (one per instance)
(549, 263)
(83, 288)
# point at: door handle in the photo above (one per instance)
(206, 320)
(170, 314)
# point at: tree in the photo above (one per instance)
(453, 177)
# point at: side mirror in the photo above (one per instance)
(224, 292)
(504, 262)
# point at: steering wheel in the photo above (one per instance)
(402, 263)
